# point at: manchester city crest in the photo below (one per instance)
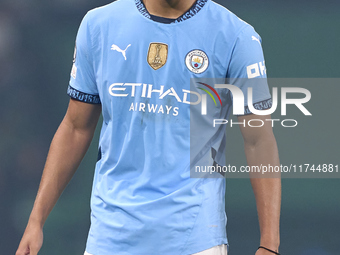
(197, 61)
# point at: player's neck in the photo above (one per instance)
(171, 9)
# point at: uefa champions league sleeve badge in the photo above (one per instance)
(197, 61)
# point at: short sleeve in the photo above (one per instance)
(247, 69)
(82, 86)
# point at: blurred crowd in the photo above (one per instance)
(36, 40)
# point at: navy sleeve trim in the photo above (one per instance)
(82, 97)
(262, 105)
(99, 154)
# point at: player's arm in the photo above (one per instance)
(67, 149)
(260, 148)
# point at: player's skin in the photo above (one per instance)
(74, 136)
(260, 148)
(67, 149)
(171, 9)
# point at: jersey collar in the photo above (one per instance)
(195, 8)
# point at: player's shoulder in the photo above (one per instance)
(229, 20)
(119, 9)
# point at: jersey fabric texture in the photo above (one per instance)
(216, 250)
(143, 200)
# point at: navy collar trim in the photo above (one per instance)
(195, 8)
(161, 19)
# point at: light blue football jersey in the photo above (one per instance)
(143, 200)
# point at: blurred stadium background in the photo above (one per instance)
(300, 39)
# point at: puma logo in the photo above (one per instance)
(256, 39)
(115, 47)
